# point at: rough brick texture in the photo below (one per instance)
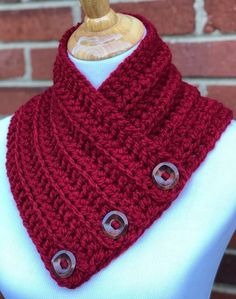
(42, 63)
(179, 13)
(34, 24)
(12, 64)
(232, 243)
(205, 59)
(226, 94)
(216, 295)
(12, 98)
(226, 273)
(221, 15)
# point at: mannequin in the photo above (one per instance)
(176, 258)
(104, 33)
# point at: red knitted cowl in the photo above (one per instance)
(76, 153)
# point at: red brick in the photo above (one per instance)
(12, 98)
(7, 2)
(205, 59)
(170, 16)
(226, 272)
(227, 95)
(216, 295)
(34, 24)
(232, 243)
(42, 63)
(12, 63)
(221, 15)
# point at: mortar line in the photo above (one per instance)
(28, 66)
(76, 13)
(37, 5)
(202, 82)
(29, 45)
(24, 84)
(199, 38)
(200, 16)
(212, 81)
(43, 4)
(224, 288)
(169, 39)
(202, 88)
(230, 251)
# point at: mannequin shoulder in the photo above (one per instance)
(224, 150)
(4, 124)
(233, 123)
(225, 147)
(5, 120)
(229, 135)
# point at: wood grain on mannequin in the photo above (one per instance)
(104, 33)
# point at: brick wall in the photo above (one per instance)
(201, 34)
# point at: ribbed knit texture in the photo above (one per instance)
(75, 153)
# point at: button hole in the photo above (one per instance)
(64, 263)
(165, 175)
(115, 224)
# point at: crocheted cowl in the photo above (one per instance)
(76, 153)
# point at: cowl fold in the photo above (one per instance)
(91, 169)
